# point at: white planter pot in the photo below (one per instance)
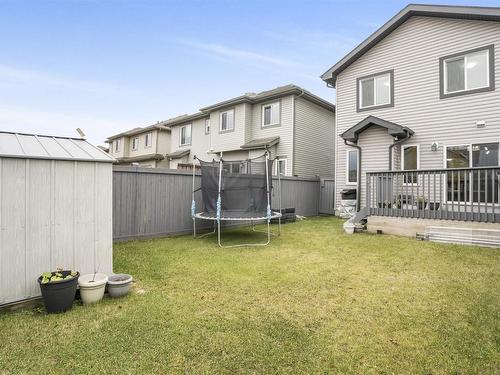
(349, 228)
(119, 285)
(92, 287)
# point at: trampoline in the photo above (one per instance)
(236, 191)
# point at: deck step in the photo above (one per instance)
(464, 236)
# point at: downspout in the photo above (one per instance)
(395, 143)
(358, 187)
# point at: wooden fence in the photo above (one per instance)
(157, 202)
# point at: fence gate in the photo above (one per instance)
(327, 196)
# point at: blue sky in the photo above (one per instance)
(107, 66)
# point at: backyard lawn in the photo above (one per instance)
(315, 301)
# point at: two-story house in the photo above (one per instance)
(145, 146)
(421, 94)
(293, 124)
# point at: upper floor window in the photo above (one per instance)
(135, 143)
(185, 135)
(117, 145)
(352, 166)
(271, 114)
(375, 91)
(207, 126)
(467, 72)
(148, 139)
(227, 120)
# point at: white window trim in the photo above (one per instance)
(464, 56)
(150, 140)
(137, 144)
(375, 104)
(278, 103)
(180, 135)
(220, 121)
(347, 182)
(278, 160)
(118, 144)
(207, 120)
(403, 162)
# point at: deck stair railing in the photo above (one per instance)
(469, 194)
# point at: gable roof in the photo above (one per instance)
(393, 129)
(272, 94)
(134, 131)
(444, 11)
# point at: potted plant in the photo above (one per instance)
(421, 202)
(58, 289)
(92, 287)
(384, 204)
(119, 285)
(434, 206)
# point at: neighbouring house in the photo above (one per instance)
(145, 147)
(293, 124)
(418, 119)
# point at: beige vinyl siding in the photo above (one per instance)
(314, 140)
(233, 139)
(200, 142)
(285, 129)
(413, 51)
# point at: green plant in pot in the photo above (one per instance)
(384, 204)
(421, 202)
(58, 289)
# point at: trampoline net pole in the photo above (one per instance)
(193, 204)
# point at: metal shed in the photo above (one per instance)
(55, 210)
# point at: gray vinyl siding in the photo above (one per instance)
(229, 140)
(314, 140)
(413, 51)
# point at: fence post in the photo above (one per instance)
(368, 192)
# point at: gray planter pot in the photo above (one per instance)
(119, 285)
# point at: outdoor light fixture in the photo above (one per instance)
(434, 146)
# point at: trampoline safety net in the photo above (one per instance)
(243, 187)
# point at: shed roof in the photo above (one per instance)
(260, 143)
(33, 146)
(179, 154)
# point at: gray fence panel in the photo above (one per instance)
(157, 202)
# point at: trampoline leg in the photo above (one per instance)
(194, 227)
(218, 233)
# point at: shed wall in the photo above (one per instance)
(52, 214)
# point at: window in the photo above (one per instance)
(352, 166)
(280, 167)
(375, 91)
(271, 114)
(135, 143)
(472, 185)
(467, 72)
(117, 145)
(148, 140)
(227, 120)
(207, 126)
(410, 161)
(185, 135)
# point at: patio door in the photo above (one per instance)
(471, 185)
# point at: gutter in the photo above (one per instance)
(358, 187)
(395, 143)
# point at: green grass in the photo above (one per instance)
(316, 301)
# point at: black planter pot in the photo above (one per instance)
(434, 206)
(58, 296)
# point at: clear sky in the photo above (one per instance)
(107, 66)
